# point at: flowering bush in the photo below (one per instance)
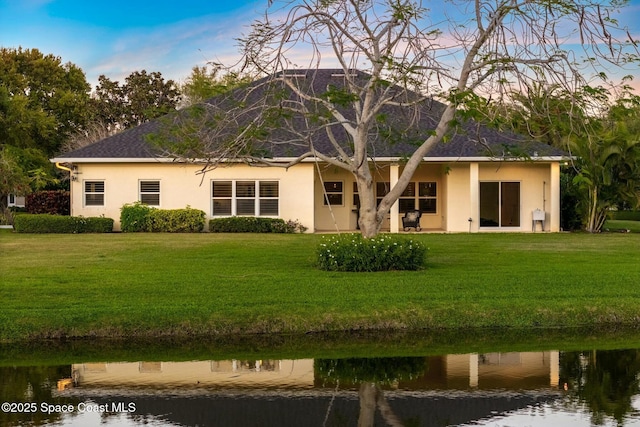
(352, 252)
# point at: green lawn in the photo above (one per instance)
(622, 225)
(144, 285)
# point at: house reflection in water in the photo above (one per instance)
(490, 371)
(426, 391)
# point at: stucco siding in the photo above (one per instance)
(181, 186)
(535, 188)
(457, 201)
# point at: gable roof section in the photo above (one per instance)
(470, 141)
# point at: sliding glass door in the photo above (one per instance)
(500, 204)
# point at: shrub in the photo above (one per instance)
(250, 224)
(45, 223)
(352, 252)
(186, 220)
(626, 215)
(134, 217)
(55, 202)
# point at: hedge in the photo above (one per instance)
(134, 217)
(138, 217)
(45, 223)
(186, 220)
(54, 202)
(626, 215)
(250, 224)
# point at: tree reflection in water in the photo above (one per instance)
(371, 374)
(604, 380)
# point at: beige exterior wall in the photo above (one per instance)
(457, 197)
(180, 185)
(301, 191)
(255, 373)
(535, 190)
(539, 189)
(343, 217)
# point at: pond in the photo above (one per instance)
(396, 386)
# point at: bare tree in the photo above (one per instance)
(94, 131)
(412, 56)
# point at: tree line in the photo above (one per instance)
(47, 107)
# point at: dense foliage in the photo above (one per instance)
(142, 97)
(626, 215)
(45, 223)
(379, 370)
(247, 224)
(138, 217)
(42, 99)
(134, 217)
(352, 252)
(55, 202)
(187, 220)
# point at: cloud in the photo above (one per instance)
(172, 49)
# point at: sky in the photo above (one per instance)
(117, 37)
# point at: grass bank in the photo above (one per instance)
(148, 285)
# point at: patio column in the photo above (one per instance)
(394, 173)
(554, 198)
(474, 197)
(473, 370)
(554, 368)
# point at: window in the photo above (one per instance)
(499, 204)
(94, 193)
(382, 188)
(425, 199)
(150, 193)
(269, 196)
(356, 196)
(428, 197)
(407, 200)
(249, 198)
(222, 197)
(333, 193)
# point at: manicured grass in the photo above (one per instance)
(146, 285)
(622, 225)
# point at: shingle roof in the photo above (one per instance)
(471, 140)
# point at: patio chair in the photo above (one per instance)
(411, 219)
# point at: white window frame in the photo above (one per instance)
(256, 197)
(142, 193)
(419, 197)
(326, 193)
(85, 193)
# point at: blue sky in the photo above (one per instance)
(118, 37)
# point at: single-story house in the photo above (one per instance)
(481, 179)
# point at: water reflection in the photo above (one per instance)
(595, 387)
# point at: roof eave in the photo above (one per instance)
(307, 160)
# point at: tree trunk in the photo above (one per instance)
(368, 394)
(593, 210)
(4, 204)
(4, 208)
(369, 220)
